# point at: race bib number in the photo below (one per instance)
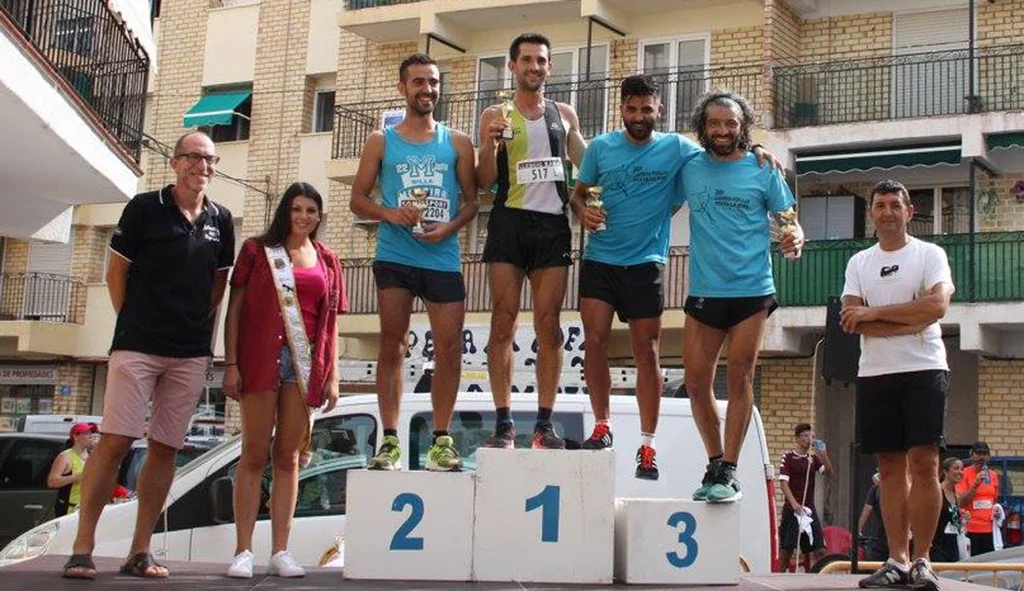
(982, 505)
(540, 170)
(437, 209)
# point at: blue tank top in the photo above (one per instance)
(431, 166)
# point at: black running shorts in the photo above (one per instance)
(898, 411)
(439, 287)
(725, 313)
(528, 239)
(635, 291)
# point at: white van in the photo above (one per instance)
(198, 523)
(55, 424)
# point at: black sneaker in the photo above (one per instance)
(701, 494)
(646, 464)
(601, 438)
(922, 576)
(725, 488)
(504, 437)
(544, 437)
(888, 575)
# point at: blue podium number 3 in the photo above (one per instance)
(685, 538)
(401, 539)
(548, 501)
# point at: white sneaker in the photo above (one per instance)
(283, 564)
(241, 567)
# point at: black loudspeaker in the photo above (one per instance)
(842, 349)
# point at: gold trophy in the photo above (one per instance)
(507, 106)
(419, 202)
(594, 201)
(786, 222)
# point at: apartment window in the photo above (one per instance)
(443, 109)
(75, 34)
(323, 115)
(235, 131)
(680, 67)
(154, 9)
(940, 210)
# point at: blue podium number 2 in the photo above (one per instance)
(685, 538)
(548, 501)
(401, 539)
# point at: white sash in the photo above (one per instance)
(294, 327)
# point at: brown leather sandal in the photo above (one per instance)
(139, 565)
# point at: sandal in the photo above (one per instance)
(83, 562)
(139, 565)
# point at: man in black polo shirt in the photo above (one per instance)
(171, 253)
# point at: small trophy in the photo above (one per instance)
(786, 222)
(594, 201)
(419, 202)
(506, 106)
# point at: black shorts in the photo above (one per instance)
(898, 411)
(528, 239)
(789, 528)
(439, 287)
(635, 291)
(725, 313)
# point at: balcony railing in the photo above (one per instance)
(899, 87)
(41, 296)
(596, 102)
(93, 51)
(362, 293)
(360, 4)
(995, 273)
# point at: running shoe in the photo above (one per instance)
(544, 437)
(922, 576)
(646, 464)
(504, 437)
(888, 575)
(389, 456)
(725, 488)
(442, 456)
(601, 438)
(701, 494)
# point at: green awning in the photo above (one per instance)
(1005, 141)
(862, 161)
(216, 108)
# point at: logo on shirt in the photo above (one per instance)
(211, 233)
(887, 271)
(424, 170)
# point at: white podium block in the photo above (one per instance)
(545, 516)
(409, 525)
(672, 541)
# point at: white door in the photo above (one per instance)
(338, 444)
(48, 282)
(935, 83)
(680, 67)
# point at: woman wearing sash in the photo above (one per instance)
(280, 363)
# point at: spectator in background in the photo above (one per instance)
(979, 492)
(66, 470)
(797, 474)
(946, 543)
(876, 545)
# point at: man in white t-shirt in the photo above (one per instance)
(895, 294)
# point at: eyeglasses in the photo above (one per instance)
(194, 158)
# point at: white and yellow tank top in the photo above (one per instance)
(532, 165)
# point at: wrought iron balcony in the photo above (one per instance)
(88, 46)
(899, 87)
(41, 296)
(360, 4)
(596, 102)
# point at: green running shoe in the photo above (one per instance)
(701, 494)
(725, 489)
(442, 456)
(389, 456)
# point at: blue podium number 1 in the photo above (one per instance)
(401, 539)
(685, 538)
(548, 501)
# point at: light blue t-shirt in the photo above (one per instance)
(729, 204)
(639, 182)
(432, 166)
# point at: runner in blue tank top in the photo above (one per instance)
(428, 193)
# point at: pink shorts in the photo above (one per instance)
(174, 384)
